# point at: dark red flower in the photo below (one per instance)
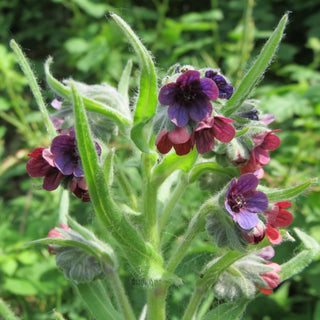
(277, 218)
(79, 187)
(211, 128)
(189, 98)
(179, 139)
(255, 235)
(263, 142)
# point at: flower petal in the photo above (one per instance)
(247, 182)
(167, 94)
(223, 131)
(52, 179)
(262, 156)
(204, 141)
(271, 142)
(187, 77)
(257, 202)
(246, 220)
(283, 219)
(209, 88)
(178, 115)
(62, 144)
(64, 163)
(179, 135)
(163, 143)
(200, 110)
(273, 234)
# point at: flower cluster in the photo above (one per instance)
(190, 113)
(60, 164)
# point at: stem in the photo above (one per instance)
(193, 303)
(34, 87)
(178, 191)
(157, 302)
(121, 296)
(64, 206)
(150, 203)
(6, 312)
(196, 225)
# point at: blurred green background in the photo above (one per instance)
(89, 47)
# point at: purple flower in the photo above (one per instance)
(243, 202)
(225, 90)
(189, 98)
(211, 128)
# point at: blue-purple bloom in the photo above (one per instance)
(225, 90)
(189, 98)
(243, 202)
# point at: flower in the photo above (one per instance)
(225, 90)
(37, 166)
(263, 142)
(55, 233)
(211, 128)
(256, 235)
(272, 278)
(189, 98)
(79, 187)
(277, 218)
(179, 139)
(243, 202)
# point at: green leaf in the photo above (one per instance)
(253, 76)
(35, 88)
(142, 257)
(204, 167)
(310, 251)
(288, 193)
(174, 162)
(228, 311)
(147, 99)
(91, 105)
(97, 301)
(123, 85)
(6, 312)
(20, 287)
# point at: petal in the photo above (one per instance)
(267, 118)
(200, 110)
(178, 115)
(37, 167)
(187, 77)
(204, 140)
(78, 171)
(271, 142)
(283, 204)
(257, 202)
(179, 135)
(183, 148)
(262, 156)
(246, 220)
(267, 253)
(273, 234)
(283, 219)
(247, 182)
(167, 94)
(265, 290)
(163, 143)
(47, 155)
(209, 88)
(62, 144)
(223, 131)
(52, 179)
(64, 163)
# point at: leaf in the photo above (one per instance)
(295, 265)
(173, 162)
(91, 105)
(228, 311)
(147, 99)
(142, 257)
(288, 193)
(123, 85)
(253, 76)
(20, 287)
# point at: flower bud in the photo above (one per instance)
(255, 235)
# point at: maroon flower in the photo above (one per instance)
(225, 90)
(55, 233)
(256, 235)
(263, 142)
(179, 139)
(79, 187)
(277, 218)
(37, 166)
(243, 202)
(211, 128)
(189, 97)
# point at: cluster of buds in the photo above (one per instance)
(189, 117)
(60, 164)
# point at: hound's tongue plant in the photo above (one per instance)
(195, 123)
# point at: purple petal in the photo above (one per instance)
(52, 179)
(247, 182)
(78, 171)
(62, 144)
(262, 155)
(200, 110)
(223, 131)
(64, 163)
(204, 141)
(209, 88)
(246, 220)
(188, 77)
(257, 202)
(48, 156)
(167, 94)
(178, 115)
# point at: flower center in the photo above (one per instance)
(236, 202)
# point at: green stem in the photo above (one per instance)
(34, 87)
(196, 225)
(64, 206)
(193, 303)
(121, 296)
(157, 302)
(6, 312)
(175, 196)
